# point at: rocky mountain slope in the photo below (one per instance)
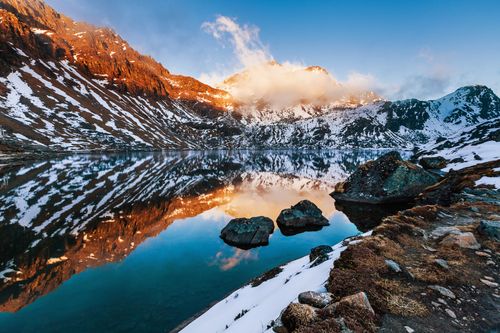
(67, 86)
(70, 85)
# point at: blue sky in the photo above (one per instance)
(420, 49)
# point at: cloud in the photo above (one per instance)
(261, 80)
(434, 81)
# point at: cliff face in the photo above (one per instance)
(41, 32)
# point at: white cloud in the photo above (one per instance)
(261, 80)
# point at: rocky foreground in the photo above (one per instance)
(430, 268)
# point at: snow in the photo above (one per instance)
(495, 181)
(265, 302)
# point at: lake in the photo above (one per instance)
(130, 242)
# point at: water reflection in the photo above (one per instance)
(62, 216)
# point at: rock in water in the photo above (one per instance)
(301, 216)
(388, 179)
(437, 162)
(247, 233)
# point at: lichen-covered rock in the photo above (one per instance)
(245, 233)
(312, 298)
(437, 162)
(319, 254)
(360, 300)
(388, 179)
(490, 229)
(296, 315)
(302, 215)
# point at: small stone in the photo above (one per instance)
(393, 265)
(360, 300)
(442, 301)
(428, 248)
(489, 278)
(435, 304)
(474, 209)
(409, 329)
(319, 254)
(490, 263)
(318, 300)
(490, 229)
(443, 231)
(464, 240)
(442, 263)
(482, 254)
(443, 291)
(451, 313)
(489, 283)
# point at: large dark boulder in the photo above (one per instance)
(303, 216)
(319, 254)
(247, 233)
(387, 179)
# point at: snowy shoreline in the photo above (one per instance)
(253, 309)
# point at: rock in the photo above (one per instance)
(437, 162)
(490, 229)
(451, 313)
(442, 263)
(319, 254)
(443, 291)
(443, 231)
(296, 315)
(388, 179)
(243, 232)
(489, 283)
(393, 265)
(312, 298)
(483, 254)
(464, 240)
(360, 300)
(302, 215)
(409, 329)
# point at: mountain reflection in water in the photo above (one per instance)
(62, 216)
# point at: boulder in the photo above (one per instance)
(360, 300)
(431, 163)
(319, 254)
(301, 216)
(464, 240)
(490, 229)
(247, 233)
(296, 315)
(312, 298)
(388, 179)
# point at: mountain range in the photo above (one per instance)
(71, 86)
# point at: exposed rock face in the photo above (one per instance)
(490, 229)
(245, 233)
(304, 214)
(312, 298)
(433, 162)
(388, 179)
(319, 254)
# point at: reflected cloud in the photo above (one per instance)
(226, 263)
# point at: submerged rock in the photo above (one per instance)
(388, 179)
(246, 233)
(300, 217)
(312, 298)
(437, 162)
(319, 254)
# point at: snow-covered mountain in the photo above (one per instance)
(67, 86)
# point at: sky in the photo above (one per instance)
(403, 49)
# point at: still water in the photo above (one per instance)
(130, 242)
